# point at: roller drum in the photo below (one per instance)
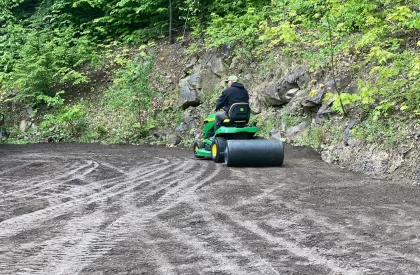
(254, 153)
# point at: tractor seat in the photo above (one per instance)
(238, 115)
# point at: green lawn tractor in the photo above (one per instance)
(235, 143)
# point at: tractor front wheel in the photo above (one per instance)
(218, 149)
(198, 145)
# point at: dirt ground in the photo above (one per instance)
(120, 209)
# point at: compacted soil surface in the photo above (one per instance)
(122, 209)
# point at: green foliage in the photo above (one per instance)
(275, 35)
(40, 52)
(289, 119)
(315, 138)
(55, 102)
(266, 121)
(394, 87)
(68, 123)
(384, 133)
(45, 62)
(131, 93)
(233, 29)
(47, 46)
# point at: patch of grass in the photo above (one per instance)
(315, 138)
(290, 119)
(266, 121)
(384, 133)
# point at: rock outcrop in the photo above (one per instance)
(303, 92)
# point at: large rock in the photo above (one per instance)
(295, 104)
(173, 139)
(279, 93)
(227, 49)
(192, 61)
(204, 78)
(257, 103)
(300, 78)
(275, 134)
(370, 160)
(215, 63)
(181, 127)
(347, 131)
(316, 99)
(209, 82)
(329, 86)
(325, 109)
(191, 117)
(342, 82)
(235, 62)
(297, 132)
(24, 125)
(188, 95)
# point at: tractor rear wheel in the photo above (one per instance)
(218, 149)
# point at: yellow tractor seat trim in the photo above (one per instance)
(237, 121)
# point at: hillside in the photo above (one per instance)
(339, 76)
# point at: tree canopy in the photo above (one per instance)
(44, 43)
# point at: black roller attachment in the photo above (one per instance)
(255, 152)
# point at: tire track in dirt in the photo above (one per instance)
(196, 217)
(350, 241)
(21, 182)
(162, 263)
(235, 251)
(311, 255)
(103, 241)
(216, 242)
(356, 232)
(211, 260)
(111, 183)
(56, 191)
(93, 223)
(225, 232)
(169, 179)
(71, 174)
(28, 221)
(226, 229)
(300, 225)
(15, 168)
(71, 171)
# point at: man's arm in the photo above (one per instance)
(221, 102)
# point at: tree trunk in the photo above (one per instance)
(170, 22)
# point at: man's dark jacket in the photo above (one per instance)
(234, 94)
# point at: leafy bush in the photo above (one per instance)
(316, 138)
(68, 123)
(384, 133)
(131, 94)
(44, 61)
(266, 121)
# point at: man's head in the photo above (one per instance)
(231, 79)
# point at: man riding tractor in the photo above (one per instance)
(234, 93)
(228, 137)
